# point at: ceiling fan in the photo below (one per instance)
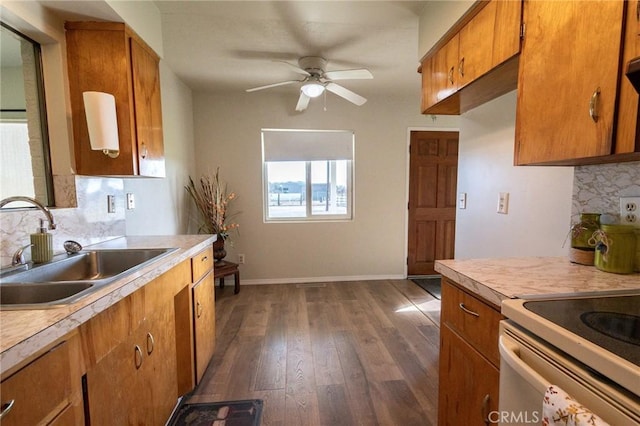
(317, 80)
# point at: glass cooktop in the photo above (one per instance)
(610, 322)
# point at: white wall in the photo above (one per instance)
(539, 213)
(161, 204)
(436, 19)
(144, 18)
(227, 133)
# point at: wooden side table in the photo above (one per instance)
(222, 269)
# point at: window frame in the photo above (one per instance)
(310, 217)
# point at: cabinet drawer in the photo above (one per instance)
(201, 263)
(39, 391)
(474, 320)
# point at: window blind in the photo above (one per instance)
(307, 145)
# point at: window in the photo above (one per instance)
(308, 174)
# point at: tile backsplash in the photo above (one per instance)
(89, 223)
(598, 188)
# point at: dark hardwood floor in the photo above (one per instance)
(346, 353)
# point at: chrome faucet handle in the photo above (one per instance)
(18, 256)
(72, 247)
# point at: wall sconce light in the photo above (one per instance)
(102, 123)
(312, 90)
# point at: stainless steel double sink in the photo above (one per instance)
(68, 279)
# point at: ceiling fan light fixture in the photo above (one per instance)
(312, 90)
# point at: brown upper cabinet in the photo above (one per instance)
(628, 132)
(472, 64)
(109, 57)
(568, 82)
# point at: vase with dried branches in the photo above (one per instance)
(212, 200)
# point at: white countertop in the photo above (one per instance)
(25, 332)
(497, 279)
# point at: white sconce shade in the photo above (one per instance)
(313, 90)
(102, 123)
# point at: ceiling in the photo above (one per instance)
(231, 46)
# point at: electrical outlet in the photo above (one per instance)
(111, 203)
(630, 211)
(241, 259)
(503, 203)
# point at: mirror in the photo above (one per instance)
(25, 165)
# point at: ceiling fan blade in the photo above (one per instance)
(282, 83)
(357, 74)
(295, 68)
(346, 93)
(303, 102)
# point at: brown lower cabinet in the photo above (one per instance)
(128, 364)
(469, 374)
(132, 372)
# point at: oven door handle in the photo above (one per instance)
(509, 353)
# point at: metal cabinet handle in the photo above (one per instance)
(204, 258)
(451, 75)
(593, 105)
(485, 409)
(198, 309)
(6, 407)
(137, 356)
(465, 309)
(143, 149)
(461, 67)
(151, 342)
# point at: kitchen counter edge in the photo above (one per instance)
(497, 279)
(24, 333)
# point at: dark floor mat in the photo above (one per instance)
(228, 413)
(431, 285)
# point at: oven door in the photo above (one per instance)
(528, 366)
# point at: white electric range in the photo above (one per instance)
(588, 344)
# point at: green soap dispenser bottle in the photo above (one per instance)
(42, 245)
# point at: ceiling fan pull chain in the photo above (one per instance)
(325, 101)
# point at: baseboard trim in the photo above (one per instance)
(320, 279)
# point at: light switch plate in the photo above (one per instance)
(131, 201)
(462, 200)
(503, 203)
(111, 203)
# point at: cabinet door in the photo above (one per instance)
(159, 372)
(628, 133)
(204, 319)
(428, 92)
(97, 61)
(476, 45)
(506, 35)
(445, 63)
(468, 389)
(567, 82)
(146, 93)
(488, 40)
(114, 385)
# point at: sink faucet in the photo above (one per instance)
(38, 204)
(18, 256)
